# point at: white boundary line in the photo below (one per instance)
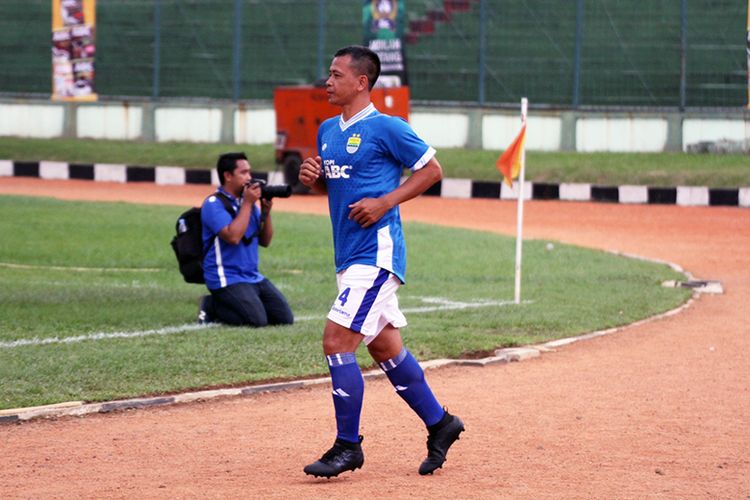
(93, 269)
(101, 336)
(441, 305)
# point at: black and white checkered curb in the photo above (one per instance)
(447, 188)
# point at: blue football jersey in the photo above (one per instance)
(364, 158)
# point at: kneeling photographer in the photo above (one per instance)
(240, 294)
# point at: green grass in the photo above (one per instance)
(70, 269)
(606, 169)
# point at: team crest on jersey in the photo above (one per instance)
(352, 145)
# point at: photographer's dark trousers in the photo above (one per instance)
(249, 304)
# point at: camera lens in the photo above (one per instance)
(277, 191)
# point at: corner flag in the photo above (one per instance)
(509, 163)
(512, 164)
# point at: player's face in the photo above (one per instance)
(344, 82)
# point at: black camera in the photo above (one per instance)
(275, 191)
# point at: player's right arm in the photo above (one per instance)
(311, 175)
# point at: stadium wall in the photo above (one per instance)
(443, 127)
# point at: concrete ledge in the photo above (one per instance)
(284, 386)
(692, 196)
(105, 172)
(515, 354)
(456, 188)
(512, 193)
(633, 194)
(205, 395)
(6, 168)
(131, 404)
(744, 197)
(575, 192)
(53, 170)
(493, 360)
(42, 409)
(170, 176)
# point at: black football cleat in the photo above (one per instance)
(439, 440)
(342, 457)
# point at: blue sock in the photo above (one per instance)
(408, 378)
(348, 391)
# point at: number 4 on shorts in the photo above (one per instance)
(344, 296)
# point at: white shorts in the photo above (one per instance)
(367, 301)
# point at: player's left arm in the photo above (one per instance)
(368, 211)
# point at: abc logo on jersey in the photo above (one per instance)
(334, 171)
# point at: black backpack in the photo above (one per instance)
(188, 242)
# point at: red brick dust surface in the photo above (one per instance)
(658, 410)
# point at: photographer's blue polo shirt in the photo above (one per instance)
(226, 264)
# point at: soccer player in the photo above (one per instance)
(361, 157)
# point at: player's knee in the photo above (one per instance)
(386, 345)
(333, 345)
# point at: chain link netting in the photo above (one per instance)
(564, 54)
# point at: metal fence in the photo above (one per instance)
(563, 53)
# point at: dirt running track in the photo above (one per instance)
(661, 410)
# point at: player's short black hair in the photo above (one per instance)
(227, 163)
(365, 60)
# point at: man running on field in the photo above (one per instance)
(362, 154)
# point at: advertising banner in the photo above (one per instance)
(73, 49)
(384, 25)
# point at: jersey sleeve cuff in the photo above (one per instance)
(429, 154)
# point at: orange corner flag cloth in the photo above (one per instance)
(509, 163)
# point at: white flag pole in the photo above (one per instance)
(519, 218)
